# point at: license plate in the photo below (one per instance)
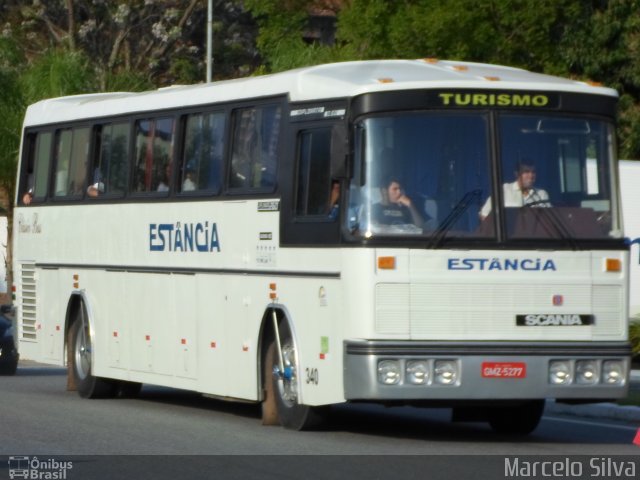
(504, 370)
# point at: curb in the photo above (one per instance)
(611, 411)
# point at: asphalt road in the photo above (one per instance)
(38, 417)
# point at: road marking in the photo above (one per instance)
(586, 422)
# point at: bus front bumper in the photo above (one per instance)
(467, 371)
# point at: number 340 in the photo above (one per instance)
(311, 376)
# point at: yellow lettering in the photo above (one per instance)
(521, 100)
(463, 99)
(501, 99)
(446, 98)
(540, 100)
(479, 99)
(504, 100)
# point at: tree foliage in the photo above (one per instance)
(595, 40)
(162, 40)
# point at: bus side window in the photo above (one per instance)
(201, 168)
(254, 150)
(35, 180)
(154, 155)
(109, 175)
(71, 155)
(314, 187)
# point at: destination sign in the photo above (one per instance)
(487, 98)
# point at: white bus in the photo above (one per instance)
(422, 232)
(630, 194)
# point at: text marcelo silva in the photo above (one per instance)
(597, 467)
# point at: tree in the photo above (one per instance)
(282, 28)
(12, 108)
(587, 40)
(148, 42)
(606, 48)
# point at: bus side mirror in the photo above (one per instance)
(339, 151)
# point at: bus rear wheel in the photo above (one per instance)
(88, 385)
(516, 419)
(281, 389)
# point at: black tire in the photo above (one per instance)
(281, 391)
(516, 419)
(9, 368)
(87, 384)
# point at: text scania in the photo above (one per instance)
(529, 264)
(493, 99)
(184, 237)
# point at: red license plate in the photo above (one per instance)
(504, 369)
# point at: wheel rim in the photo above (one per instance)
(82, 353)
(288, 380)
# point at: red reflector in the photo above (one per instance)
(213, 344)
(115, 334)
(322, 356)
(183, 341)
(504, 370)
(147, 337)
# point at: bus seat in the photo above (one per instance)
(431, 211)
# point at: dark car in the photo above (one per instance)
(8, 351)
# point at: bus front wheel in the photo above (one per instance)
(281, 389)
(87, 384)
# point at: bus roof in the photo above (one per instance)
(329, 81)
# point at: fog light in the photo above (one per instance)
(560, 372)
(418, 372)
(446, 372)
(586, 372)
(613, 372)
(389, 372)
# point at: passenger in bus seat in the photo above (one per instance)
(27, 197)
(334, 200)
(522, 192)
(189, 184)
(163, 186)
(395, 208)
(97, 187)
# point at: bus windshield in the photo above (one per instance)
(430, 175)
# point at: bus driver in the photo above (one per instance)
(521, 192)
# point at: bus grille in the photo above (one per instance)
(488, 312)
(28, 301)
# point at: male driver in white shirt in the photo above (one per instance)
(521, 192)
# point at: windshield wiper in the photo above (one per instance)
(453, 217)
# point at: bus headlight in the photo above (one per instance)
(389, 372)
(560, 372)
(613, 372)
(586, 372)
(417, 372)
(445, 372)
